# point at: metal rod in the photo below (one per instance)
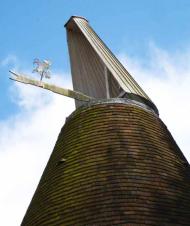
(107, 82)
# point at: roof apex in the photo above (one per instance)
(74, 16)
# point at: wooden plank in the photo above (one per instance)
(56, 89)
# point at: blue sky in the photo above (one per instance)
(150, 37)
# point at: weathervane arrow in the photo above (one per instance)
(56, 89)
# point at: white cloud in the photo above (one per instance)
(166, 79)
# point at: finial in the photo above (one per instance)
(42, 68)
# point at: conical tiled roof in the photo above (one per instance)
(114, 163)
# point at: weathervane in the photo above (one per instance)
(42, 68)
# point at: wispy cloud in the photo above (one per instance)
(10, 60)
